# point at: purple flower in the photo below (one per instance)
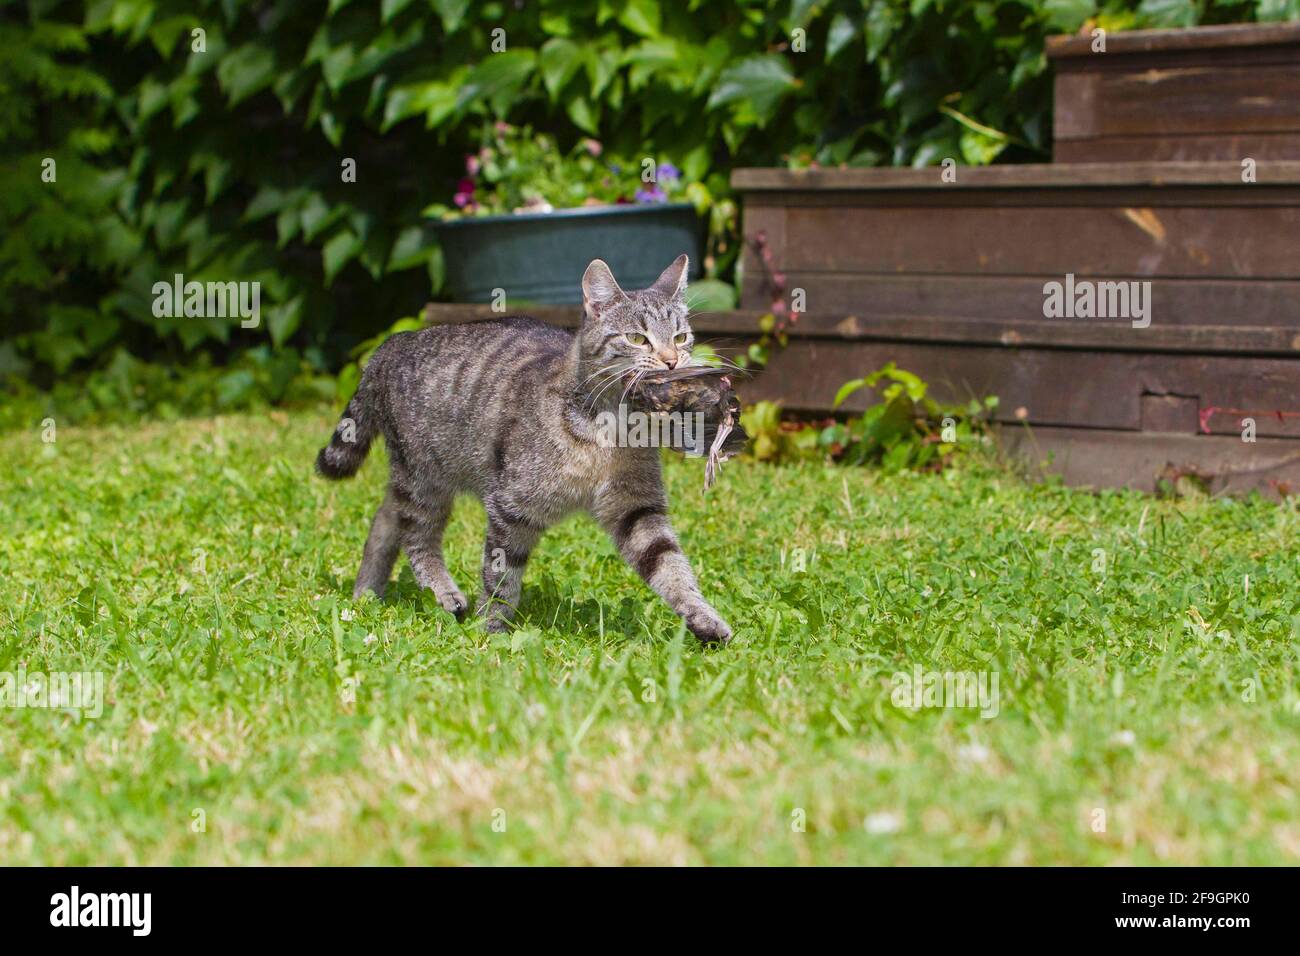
(669, 172)
(653, 194)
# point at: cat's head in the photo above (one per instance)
(636, 331)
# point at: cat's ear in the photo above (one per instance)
(599, 288)
(672, 282)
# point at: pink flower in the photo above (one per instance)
(464, 193)
(472, 165)
(592, 146)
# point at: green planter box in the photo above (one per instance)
(541, 257)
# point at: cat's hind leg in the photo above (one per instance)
(381, 551)
(510, 540)
(420, 526)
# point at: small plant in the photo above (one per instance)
(519, 171)
(775, 440)
(905, 430)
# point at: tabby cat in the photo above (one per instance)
(506, 410)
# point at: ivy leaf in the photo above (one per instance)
(452, 13)
(245, 71)
(641, 17)
(762, 81)
(283, 320)
(153, 97)
(341, 249)
(802, 12)
(435, 100)
(601, 66)
(559, 60)
(497, 78)
(1169, 13)
(164, 33)
(1067, 15)
(286, 226)
(841, 34)
(880, 27)
(411, 249)
(391, 8)
(317, 215)
(583, 116)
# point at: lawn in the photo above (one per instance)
(1145, 653)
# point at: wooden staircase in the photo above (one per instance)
(946, 273)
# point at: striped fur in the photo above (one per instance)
(505, 410)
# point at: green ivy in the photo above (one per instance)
(210, 137)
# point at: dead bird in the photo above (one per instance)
(703, 390)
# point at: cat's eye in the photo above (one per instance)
(681, 337)
(636, 338)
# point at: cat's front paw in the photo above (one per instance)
(708, 626)
(453, 601)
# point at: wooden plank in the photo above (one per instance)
(1002, 299)
(1055, 387)
(742, 326)
(1099, 458)
(1261, 147)
(1206, 100)
(1206, 58)
(1067, 334)
(1171, 413)
(805, 376)
(1243, 195)
(1147, 41)
(1018, 177)
(1076, 106)
(1101, 242)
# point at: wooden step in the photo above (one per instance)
(1219, 92)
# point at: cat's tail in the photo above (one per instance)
(348, 446)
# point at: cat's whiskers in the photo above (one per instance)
(612, 365)
(614, 370)
(604, 385)
(641, 373)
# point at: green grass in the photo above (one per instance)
(599, 732)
